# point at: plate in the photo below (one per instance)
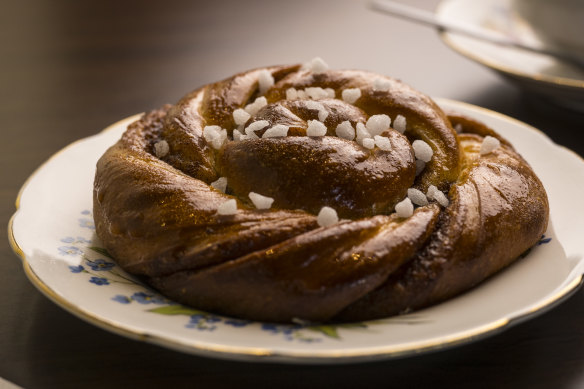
(543, 75)
(53, 232)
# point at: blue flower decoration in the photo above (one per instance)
(290, 332)
(100, 265)
(70, 250)
(212, 319)
(145, 298)
(86, 212)
(279, 328)
(544, 240)
(203, 322)
(76, 269)
(99, 281)
(286, 330)
(122, 299)
(87, 223)
(237, 322)
(79, 239)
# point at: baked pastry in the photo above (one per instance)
(299, 192)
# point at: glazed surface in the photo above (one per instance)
(158, 215)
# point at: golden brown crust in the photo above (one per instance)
(498, 209)
(311, 276)
(324, 171)
(157, 215)
(425, 120)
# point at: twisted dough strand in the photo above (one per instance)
(157, 215)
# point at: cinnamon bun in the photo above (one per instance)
(299, 192)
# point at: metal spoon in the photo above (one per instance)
(428, 18)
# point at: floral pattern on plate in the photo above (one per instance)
(100, 269)
(103, 272)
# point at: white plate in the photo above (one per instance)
(544, 75)
(53, 232)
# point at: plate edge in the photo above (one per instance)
(568, 83)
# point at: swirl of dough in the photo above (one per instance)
(216, 201)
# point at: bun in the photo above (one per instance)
(222, 202)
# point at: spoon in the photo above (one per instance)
(428, 18)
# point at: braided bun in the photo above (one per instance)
(296, 192)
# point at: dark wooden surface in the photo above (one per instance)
(70, 68)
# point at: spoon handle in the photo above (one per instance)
(428, 18)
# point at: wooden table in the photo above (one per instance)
(68, 69)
